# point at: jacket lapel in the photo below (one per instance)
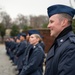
(50, 53)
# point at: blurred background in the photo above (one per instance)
(21, 15)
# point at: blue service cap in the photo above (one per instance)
(57, 9)
(30, 32)
(23, 34)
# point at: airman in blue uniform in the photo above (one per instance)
(16, 49)
(12, 45)
(61, 56)
(31, 65)
(21, 50)
(7, 45)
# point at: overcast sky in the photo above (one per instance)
(28, 7)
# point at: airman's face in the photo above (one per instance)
(21, 38)
(18, 40)
(55, 25)
(33, 40)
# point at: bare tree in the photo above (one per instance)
(5, 19)
(38, 21)
(21, 20)
(2, 31)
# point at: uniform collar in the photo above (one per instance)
(63, 35)
(61, 40)
(65, 31)
(35, 46)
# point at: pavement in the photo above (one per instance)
(6, 67)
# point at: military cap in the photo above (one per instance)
(57, 9)
(30, 32)
(23, 34)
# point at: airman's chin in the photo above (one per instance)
(51, 35)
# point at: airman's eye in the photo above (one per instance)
(50, 21)
(32, 37)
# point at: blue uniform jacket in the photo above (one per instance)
(21, 48)
(33, 63)
(61, 61)
(20, 53)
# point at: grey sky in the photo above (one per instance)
(29, 7)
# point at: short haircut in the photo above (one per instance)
(67, 16)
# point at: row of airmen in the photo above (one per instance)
(27, 52)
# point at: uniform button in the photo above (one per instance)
(34, 46)
(61, 40)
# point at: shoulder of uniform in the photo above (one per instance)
(72, 39)
(39, 47)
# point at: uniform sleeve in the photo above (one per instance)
(35, 60)
(66, 64)
(13, 45)
(21, 49)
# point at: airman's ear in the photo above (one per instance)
(38, 39)
(64, 22)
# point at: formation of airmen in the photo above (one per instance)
(27, 52)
